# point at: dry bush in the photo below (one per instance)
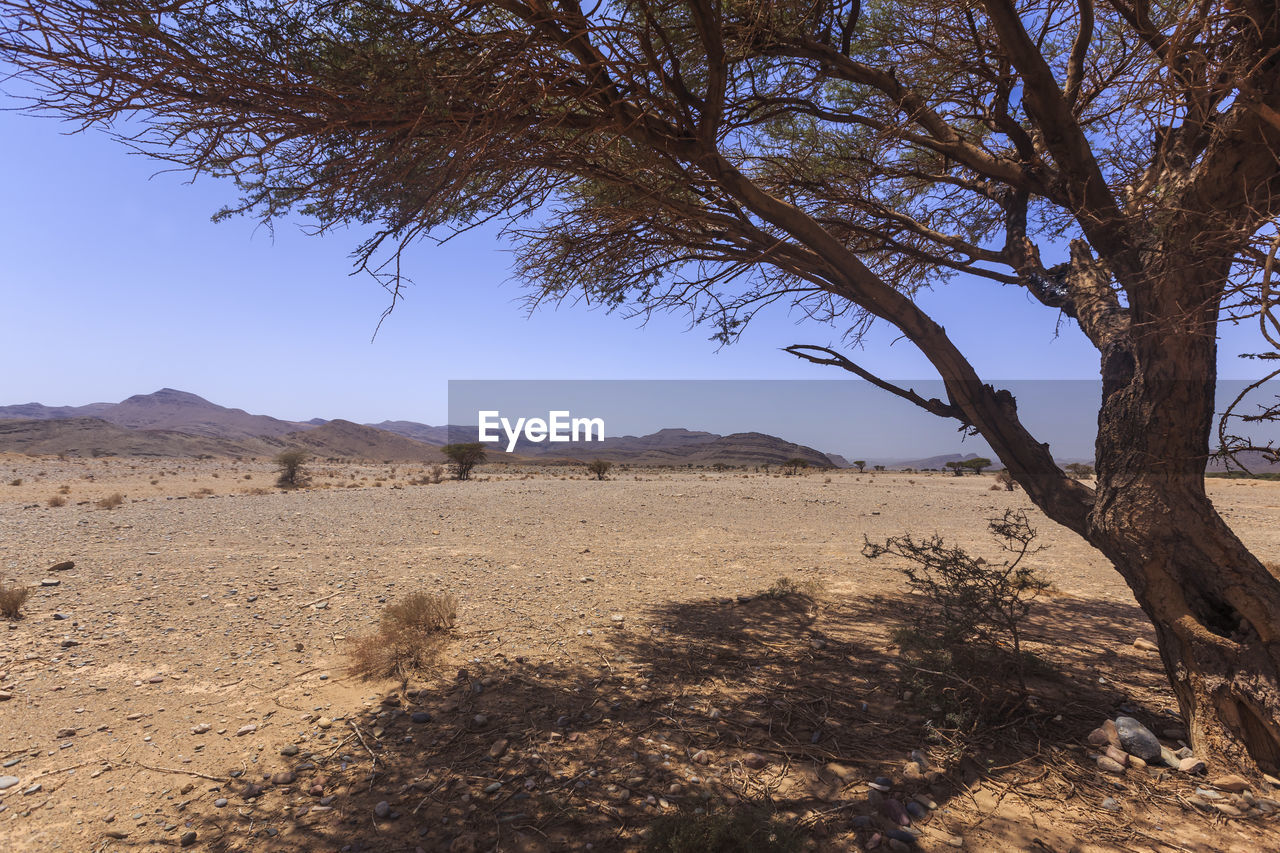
(11, 600)
(17, 481)
(64, 490)
(785, 587)
(1004, 479)
(110, 501)
(56, 501)
(409, 639)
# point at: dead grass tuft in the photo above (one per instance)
(110, 501)
(11, 600)
(410, 637)
(786, 587)
(56, 501)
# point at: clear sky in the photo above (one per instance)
(116, 282)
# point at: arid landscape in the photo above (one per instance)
(186, 683)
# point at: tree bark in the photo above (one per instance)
(1214, 605)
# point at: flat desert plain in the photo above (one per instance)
(186, 684)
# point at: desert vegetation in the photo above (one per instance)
(410, 637)
(291, 469)
(12, 597)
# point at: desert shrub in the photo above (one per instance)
(411, 634)
(291, 465)
(739, 831)
(786, 587)
(794, 466)
(1005, 479)
(599, 468)
(16, 481)
(1078, 470)
(57, 501)
(110, 501)
(64, 490)
(970, 625)
(11, 600)
(464, 457)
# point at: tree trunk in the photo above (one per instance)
(1215, 607)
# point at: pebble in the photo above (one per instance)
(1228, 809)
(953, 840)
(1231, 782)
(284, 777)
(246, 729)
(755, 761)
(200, 728)
(1109, 765)
(499, 748)
(1191, 764)
(220, 803)
(895, 811)
(187, 839)
(50, 582)
(1110, 804)
(8, 782)
(5, 695)
(291, 749)
(64, 566)
(916, 810)
(324, 723)
(1137, 739)
(492, 787)
(420, 717)
(382, 809)
(703, 757)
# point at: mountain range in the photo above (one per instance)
(172, 423)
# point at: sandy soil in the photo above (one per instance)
(188, 675)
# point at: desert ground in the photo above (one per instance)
(186, 683)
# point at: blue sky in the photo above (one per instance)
(115, 282)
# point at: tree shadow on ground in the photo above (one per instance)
(785, 703)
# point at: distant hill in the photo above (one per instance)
(172, 423)
(356, 441)
(96, 437)
(436, 435)
(932, 462)
(166, 409)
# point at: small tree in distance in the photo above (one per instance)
(957, 468)
(976, 464)
(464, 456)
(599, 468)
(293, 473)
(861, 465)
(794, 465)
(1078, 470)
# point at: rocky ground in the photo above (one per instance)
(184, 684)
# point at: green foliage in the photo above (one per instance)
(741, 831)
(976, 464)
(464, 456)
(292, 471)
(599, 468)
(861, 465)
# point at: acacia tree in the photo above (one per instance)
(1113, 159)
